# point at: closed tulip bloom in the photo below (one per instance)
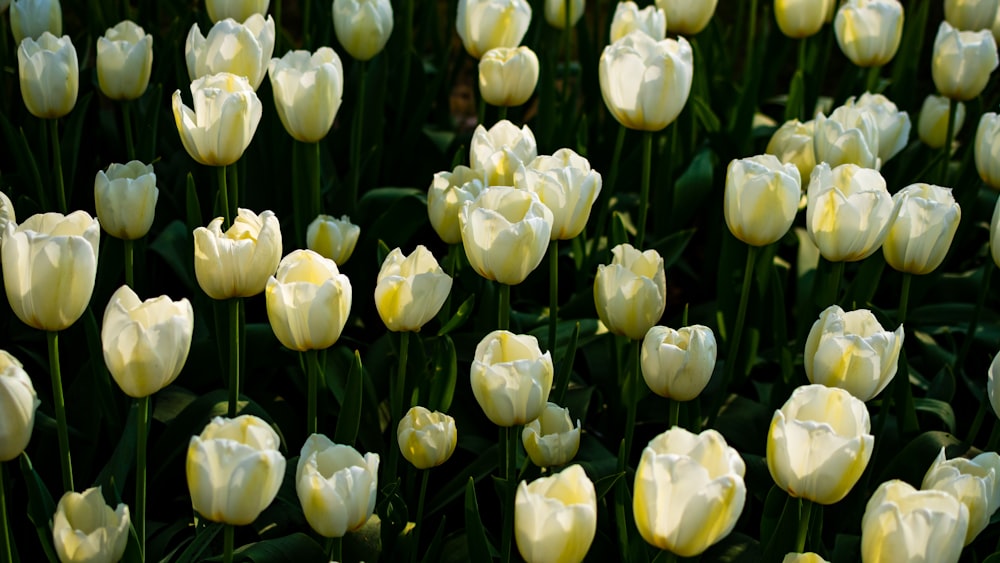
(18, 403)
(987, 149)
(86, 530)
(225, 117)
(555, 12)
(819, 443)
(505, 233)
(308, 88)
(869, 31)
(336, 486)
(993, 382)
(49, 268)
(628, 18)
(49, 75)
(932, 125)
(243, 49)
(31, 18)
(645, 83)
(689, 491)
(308, 301)
(362, 26)
(234, 469)
(902, 524)
(238, 262)
(511, 378)
(850, 135)
(921, 233)
(447, 194)
(793, 143)
(551, 439)
(799, 19)
(7, 214)
(508, 75)
(145, 342)
(631, 292)
(975, 482)
(125, 197)
(426, 439)
(124, 61)
(761, 198)
(566, 185)
(677, 364)
(238, 10)
(962, 61)
(333, 238)
(995, 241)
(803, 558)
(555, 517)
(687, 17)
(499, 151)
(970, 15)
(893, 125)
(852, 351)
(849, 211)
(410, 289)
(487, 24)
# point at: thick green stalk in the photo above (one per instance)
(504, 307)
(60, 404)
(970, 334)
(948, 138)
(553, 293)
(306, 23)
(142, 434)
(357, 134)
(315, 191)
(220, 174)
(501, 113)
(647, 164)
(604, 198)
(424, 476)
(53, 125)
(312, 375)
(991, 445)
(751, 42)
(397, 392)
(5, 537)
(229, 533)
(233, 170)
(129, 266)
(904, 297)
(675, 412)
(127, 125)
(234, 354)
(633, 398)
(805, 509)
(837, 273)
(741, 314)
(510, 436)
(334, 549)
(871, 84)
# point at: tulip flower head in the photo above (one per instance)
(869, 31)
(445, 197)
(498, 152)
(18, 403)
(511, 378)
(905, 524)
(761, 198)
(410, 289)
(962, 61)
(124, 61)
(551, 439)
(793, 143)
(975, 482)
(555, 517)
(336, 486)
(687, 17)
(7, 214)
(566, 185)
(995, 240)
(799, 19)
(362, 26)
(487, 24)
(932, 124)
(426, 439)
(243, 49)
(803, 558)
(308, 88)
(987, 149)
(631, 292)
(849, 211)
(628, 18)
(993, 383)
(970, 15)
(224, 119)
(555, 13)
(49, 75)
(508, 75)
(125, 197)
(677, 364)
(850, 135)
(85, 528)
(238, 262)
(921, 233)
(308, 301)
(238, 10)
(333, 238)
(32, 18)
(893, 125)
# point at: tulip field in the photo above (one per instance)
(528, 280)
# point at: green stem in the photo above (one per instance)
(871, 83)
(234, 354)
(977, 422)
(234, 188)
(604, 198)
(356, 138)
(948, 138)
(129, 266)
(312, 375)
(229, 533)
(675, 412)
(665, 556)
(334, 548)
(424, 477)
(647, 164)
(142, 434)
(805, 508)
(991, 445)
(408, 9)
(837, 276)
(904, 297)
(306, 19)
(633, 398)
(60, 404)
(220, 174)
(553, 293)
(751, 41)
(970, 334)
(127, 125)
(57, 164)
(397, 392)
(5, 537)
(568, 45)
(510, 436)
(501, 113)
(504, 307)
(741, 313)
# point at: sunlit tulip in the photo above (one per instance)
(125, 197)
(551, 439)
(445, 197)
(628, 18)
(221, 125)
(995, 244)
(687, 17)
(970, 15)
(646, 83)
(49, 75)
(336, 486)
(987, 149)
(243, 49)
(410, 290)
(508, 75)
(234, 469)
(555, 517)
(7, 214)
(962, 61)
(124, 61)
(333, 238)
(555, 12)
(566, 185)
(497, 152)
(631, 292)
(238, 10)
(677, 364)
(31, 18)
(505, 232)
(307, 92)
(852, 351)
(922, 230)
(85, 529)
(975, 482)
(426, 439)
(362, 26)
(932, 125)
(799, 19)
(893, 125)
(761, 198)
(902, 524)
(869, 31)
(511, 378)
(849, 211)
(803, 558)
(49, 268)
(819, 443)
(850, 135)
(238, 262)
(993, 376)
(308, 301)
(18, 403)
(689, 491)
(793, 143)
(487, 24)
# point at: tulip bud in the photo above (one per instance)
(234, 469)
(86, 529)
(697, 475)
(125, 197)
(793, 143)
(333, 238)
(308, 301)
(336, 486)
(803, 558)
(687, 17)
(243, 49)
(962, 61)
(566, 185)
(238, 262)
(852, 351)
(631, 292)
(932, 125)
(849, 211)
(124, 61)
(993, 377)
(555, 12)
(987, 149)
(970, 15)
(426, 439)
(238, 10)
(511, 378)
(819, 443)
(508, 75)
(225, 116)
(49, 268)
(18, 403)
(551, 440)
(893, 125)
(307, 92)
(410, 289)
(49, 75)
(995, 243)
(761, 198)
(903, 524)
(850, 135)
(555, 517)
(498, 152)
(7, 215)
(975, 482)
(32, 18)
(487, 24)
(924, 225)
(362, 26)
(799, 19)
(677, 364)
(869, 31)
(628, 18)
(646, 83)
(448, 192)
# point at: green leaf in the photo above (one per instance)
(911, 463)
(940, 409)
(566, 366)
(350, 410)
(176, 246)
(619, 233)
(445, 375)
(294, 547)
(479, 549)
(192, 206)
(203, 536)
(40, 506)
(604, 485)
(485, 464)
(433, 553)
(781, 538)
(673, 245)
(460, 316)
(381, 252)
(118, 468)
